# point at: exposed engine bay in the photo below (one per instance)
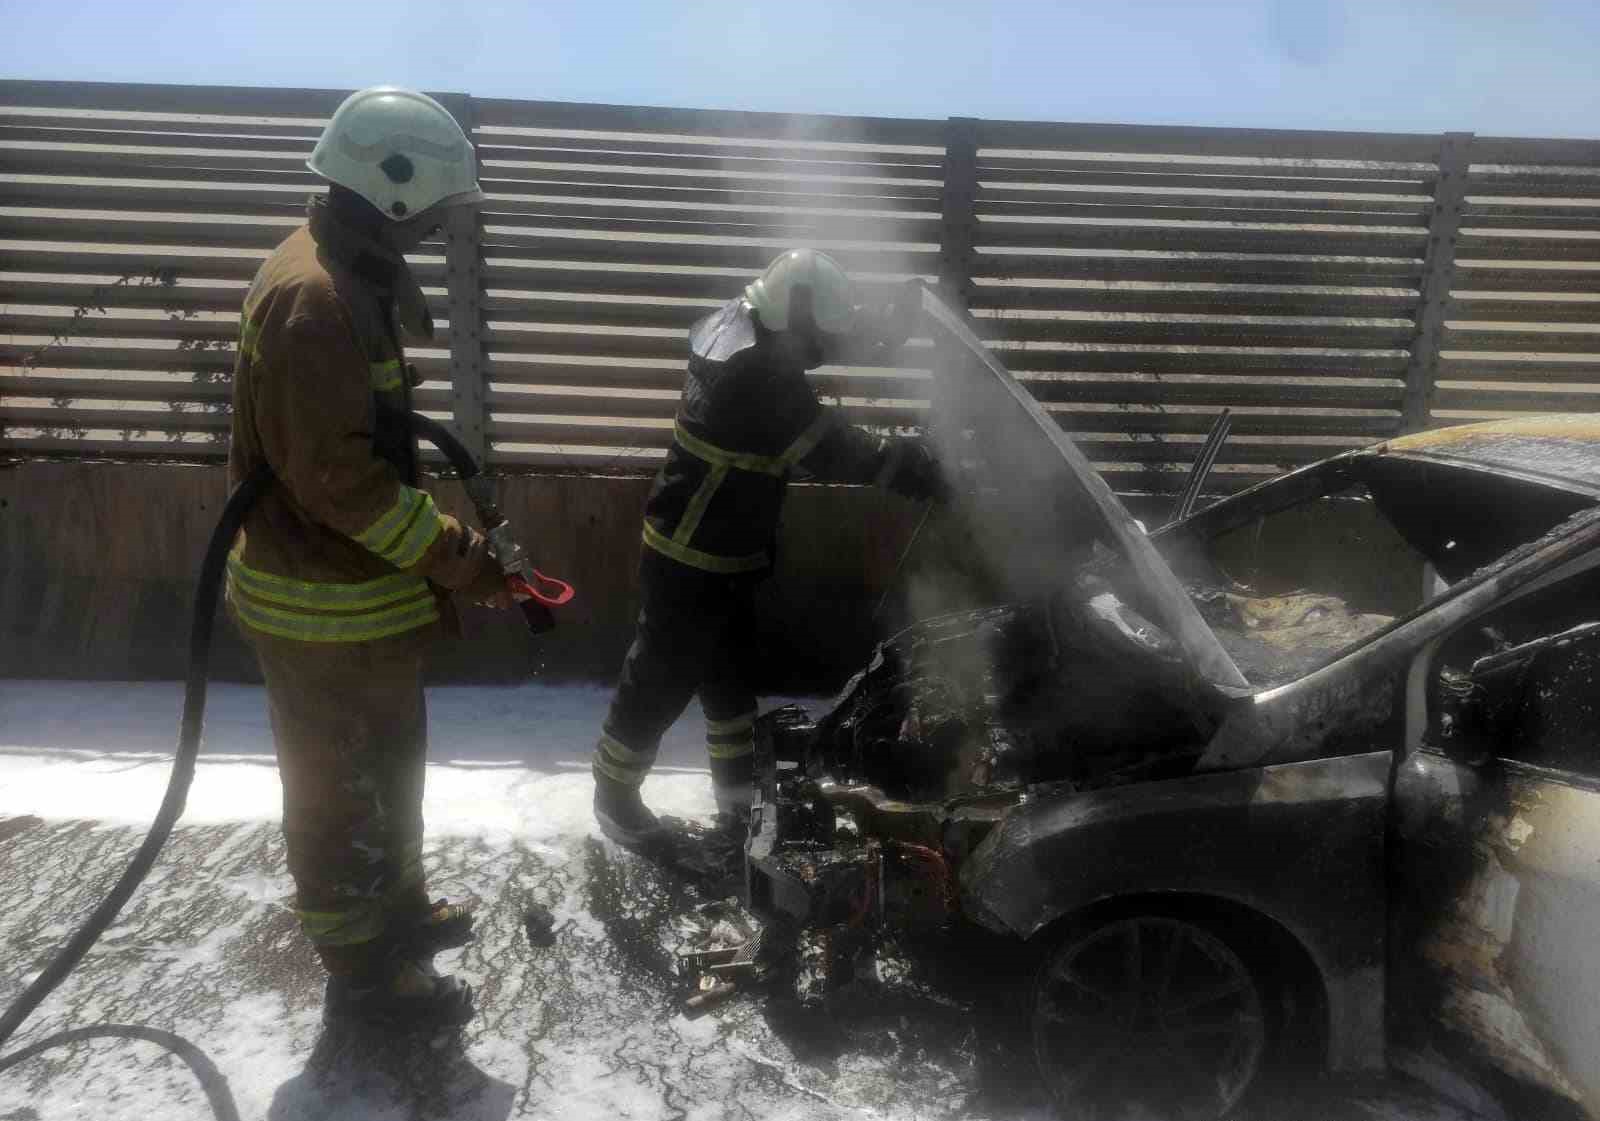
(868, 812)
(1107, 669)
(870, 809)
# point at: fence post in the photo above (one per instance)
(1438, 276)
(959, 210)
(957, 232)
(464, 278)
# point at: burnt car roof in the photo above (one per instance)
(1562, 450)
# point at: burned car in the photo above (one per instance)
(1314, 769)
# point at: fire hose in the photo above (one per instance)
(534, 592)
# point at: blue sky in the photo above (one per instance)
(1506, 67)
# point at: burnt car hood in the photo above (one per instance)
(1046, 503)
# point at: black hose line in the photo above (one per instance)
(194, 706)
(442, 438)
(212, 1082)
(535, 615)
(202, 625)
(478, 488)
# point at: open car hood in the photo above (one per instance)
(1043, 504)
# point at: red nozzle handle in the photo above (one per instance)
(562, 594)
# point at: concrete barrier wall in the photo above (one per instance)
(98, 563)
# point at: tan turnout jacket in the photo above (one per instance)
(342, 547)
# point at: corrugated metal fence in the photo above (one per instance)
(1331, 288)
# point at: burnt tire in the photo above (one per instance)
(1147, 1015)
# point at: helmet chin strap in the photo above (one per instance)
(407, 235)
(355, 212)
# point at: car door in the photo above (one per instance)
(1494, 978)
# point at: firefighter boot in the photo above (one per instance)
(382, 985)
(622, 814)
(733, 780)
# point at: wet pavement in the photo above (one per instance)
(588, 1025)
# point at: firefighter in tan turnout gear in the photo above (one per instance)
(747, 423)
(344, 568)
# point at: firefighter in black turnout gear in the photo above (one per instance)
(747, 423)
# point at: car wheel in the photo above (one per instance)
(1147, 1016)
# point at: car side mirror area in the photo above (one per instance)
(1478, 708)
(1463, 727)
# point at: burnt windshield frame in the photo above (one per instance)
(1329, 477)
(1544, 504)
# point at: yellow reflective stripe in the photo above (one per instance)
(626, 776)
(728, 727)
(696, 509)
(390, 522)
(814, 434)
(361, 923)
(809, 439)
(323, 597)
(734, 738)
(695, 446)
(708, 562)
(249, 338)
(622, 753)
(738, 750)
(405, 530)
(386, 375)
(423, 532)
(305, 627)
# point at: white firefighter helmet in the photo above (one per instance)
(400, 150)
(833, 296)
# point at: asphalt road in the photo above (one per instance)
(587, 1026)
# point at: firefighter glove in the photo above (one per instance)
(911, 470)
(901, 317)
(463, 558)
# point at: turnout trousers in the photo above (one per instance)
(693, 637)
(350, 725)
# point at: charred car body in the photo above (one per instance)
(1320, 762)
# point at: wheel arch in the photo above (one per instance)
(1300, 991)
